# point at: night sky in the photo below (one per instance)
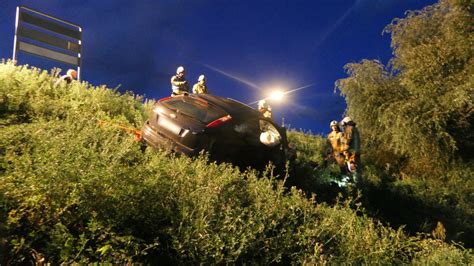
(245, 48)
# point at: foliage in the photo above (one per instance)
(28, 95)
(420, 107)
(415, 116)
(420, 203)
(74, 189)
(314, 170)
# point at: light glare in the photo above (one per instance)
(277, 95)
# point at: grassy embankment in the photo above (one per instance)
(74, 191)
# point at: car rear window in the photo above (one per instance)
(197, 109)
(239, 108)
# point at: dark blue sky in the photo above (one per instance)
(244, 47)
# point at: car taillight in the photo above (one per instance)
(164, 99)
(219, 121)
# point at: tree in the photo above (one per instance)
(420, 105)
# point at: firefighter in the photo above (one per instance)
(265, 109)
(71, 75)
(179, 85)
(200, 86)
(351, 144)
(335, 140)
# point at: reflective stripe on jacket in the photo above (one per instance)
(179, 85)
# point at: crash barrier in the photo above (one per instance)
(45, 36)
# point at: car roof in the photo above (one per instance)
(231, 106)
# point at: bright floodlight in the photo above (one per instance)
(277, 95)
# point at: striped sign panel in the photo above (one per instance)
(47, 53)
(45, 36)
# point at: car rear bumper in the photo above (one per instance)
(159, 140)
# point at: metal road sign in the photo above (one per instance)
(42, 35)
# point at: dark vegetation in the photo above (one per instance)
(76, 190)
(416, 116)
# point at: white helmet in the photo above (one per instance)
(72, 73)
(262, 103)
(180, 70)
(346, 120)
(202, 77)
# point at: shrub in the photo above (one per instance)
(72, 191)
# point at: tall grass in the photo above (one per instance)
(75, 191)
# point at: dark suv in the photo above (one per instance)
(229, 130)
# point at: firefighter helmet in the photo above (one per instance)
(180, 70)
(262, 104)
(72, 73)
(346, 120)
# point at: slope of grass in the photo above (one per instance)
(72, 190)
(418, 203)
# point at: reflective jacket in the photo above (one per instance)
(351, 138)
(199, 88)
(266, 111)
(179, 85)
(335, 139)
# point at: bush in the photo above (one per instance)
(420, 204)
(419, 106)
(72, 191)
